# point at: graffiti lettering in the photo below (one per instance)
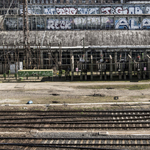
(122, 23)
(120, 10)
(11, 23)
(63, 11)
(88, 10)
(138, 10)
(90, 21)
(117, 10)
(83, 10)
(56, 24)
(49, 11)
(106, 10)
(133, 24)
(145, 24)
(93, 10)
(147, 10)
(135, 10)
(29, 11)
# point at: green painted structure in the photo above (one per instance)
(36, 73)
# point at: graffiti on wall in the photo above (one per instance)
(122, 10)
(56, 24)
(117, 10)
(113, 9)
(85, 22)
(11, 23)
(66, 11)
(147, 10)
(132, 24)
(107, 22)
(82, 10)
(34, 9)
(70, 10)
(49, 11)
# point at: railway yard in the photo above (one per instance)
(74, 75)
(108, 122)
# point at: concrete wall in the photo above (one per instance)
(73, 38)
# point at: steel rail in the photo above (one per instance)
(60, 127)
(117, 119)
(56, 122)
(109, 111)
(47, 145)
(51, 146)
(7, 149)
(70, 138)
(83, 115)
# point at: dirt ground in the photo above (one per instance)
(72, 92)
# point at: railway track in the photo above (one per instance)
(61, 120)
(75, 119)
(76, 143)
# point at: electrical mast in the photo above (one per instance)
(26, 40)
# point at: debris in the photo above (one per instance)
(103, 133)
(65, 104)
(33, 132)
(95, 134)
(116, 97)
(54, 94)
(55, 101)
(109, 88)
(101, 95)
(30, 102)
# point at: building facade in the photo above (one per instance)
(91, 36)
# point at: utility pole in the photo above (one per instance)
(26, 37)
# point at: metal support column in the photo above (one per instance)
(72, 66)
(115, 61)
(111, 67)
(130, 67)
(26, 40)
(148, 68)
(91, 67)
(41, 59)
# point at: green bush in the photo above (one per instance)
(63, 71)
(21, 78)
(4, 75)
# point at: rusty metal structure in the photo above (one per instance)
(89, 39)
(26, 32)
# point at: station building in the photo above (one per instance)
(109, 39)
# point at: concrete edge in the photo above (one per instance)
(76, 104)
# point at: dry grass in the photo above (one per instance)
(129, 87)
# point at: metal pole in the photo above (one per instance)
(26, 30)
